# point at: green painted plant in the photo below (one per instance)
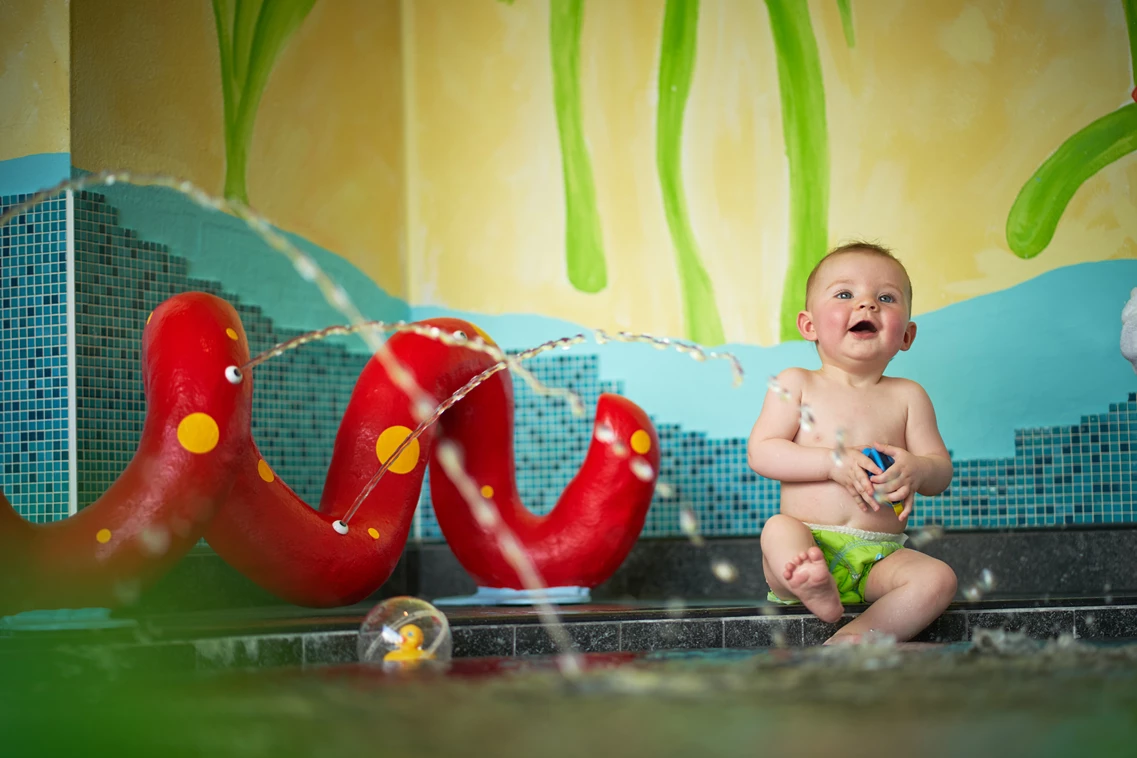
(1041, 202)
(250, 36)
(676, 67)
(807, 149)
(584, 244)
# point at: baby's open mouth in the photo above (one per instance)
(864, 326)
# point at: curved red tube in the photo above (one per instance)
(273, 537)
(269, 534)
(595, 522)
(196, 425)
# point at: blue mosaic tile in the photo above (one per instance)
(34, 461)
(300, 396)
(1081, 474)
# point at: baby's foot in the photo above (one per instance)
(809, 579)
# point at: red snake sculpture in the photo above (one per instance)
(197, 471)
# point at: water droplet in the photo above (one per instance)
(619, 448)
(434, 332)
(424, 409)
(127, 591)
(724, 570)
(839, 438)
(806, 418)
(972, 594)
(155, 540)
(306, 267)
(675, 607)
(688, 521)
(661, 344)
(483, 514)
(642, 469)
(986, 580)
(340, 300)
(775, 386)
(838, 459)
(601, 336)
(605, 433)
(663, 489)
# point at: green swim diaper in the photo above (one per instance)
(851, 554)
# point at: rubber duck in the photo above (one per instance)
(410, 648)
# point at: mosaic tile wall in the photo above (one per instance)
(1066, 475)
(33, 360)
(299, 399)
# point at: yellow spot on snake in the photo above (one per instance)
(198, 433)
(387, 443)
(487, 491)
(265, 470)
(641, 441)
(150, 317)
(232, 333)
(103, 536)
(373, 532)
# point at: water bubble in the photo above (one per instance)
(109, 181)
(404, 632)
(724, 570)
(663, 489)
(605, 433)
(806, 418)
(986, 580)
(642, 469)
(972, 594)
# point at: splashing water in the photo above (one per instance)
(724, 570)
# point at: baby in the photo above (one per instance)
(838, 538)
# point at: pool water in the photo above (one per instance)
(1002, 694)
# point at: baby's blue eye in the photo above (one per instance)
(844, 295)
(887, 299)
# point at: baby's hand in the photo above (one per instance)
(902, 480)
(851, 470)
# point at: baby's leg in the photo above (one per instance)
(795, 567)
(908, 590)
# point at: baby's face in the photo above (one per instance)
(859, 308)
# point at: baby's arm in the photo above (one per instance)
(772, 452)
(925, 466)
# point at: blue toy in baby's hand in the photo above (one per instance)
(883, 461)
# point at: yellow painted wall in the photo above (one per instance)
(35, 106)
(326, 159)
(937, 117)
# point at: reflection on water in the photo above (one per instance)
(1002, 693)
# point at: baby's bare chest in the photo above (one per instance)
(854, 417)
